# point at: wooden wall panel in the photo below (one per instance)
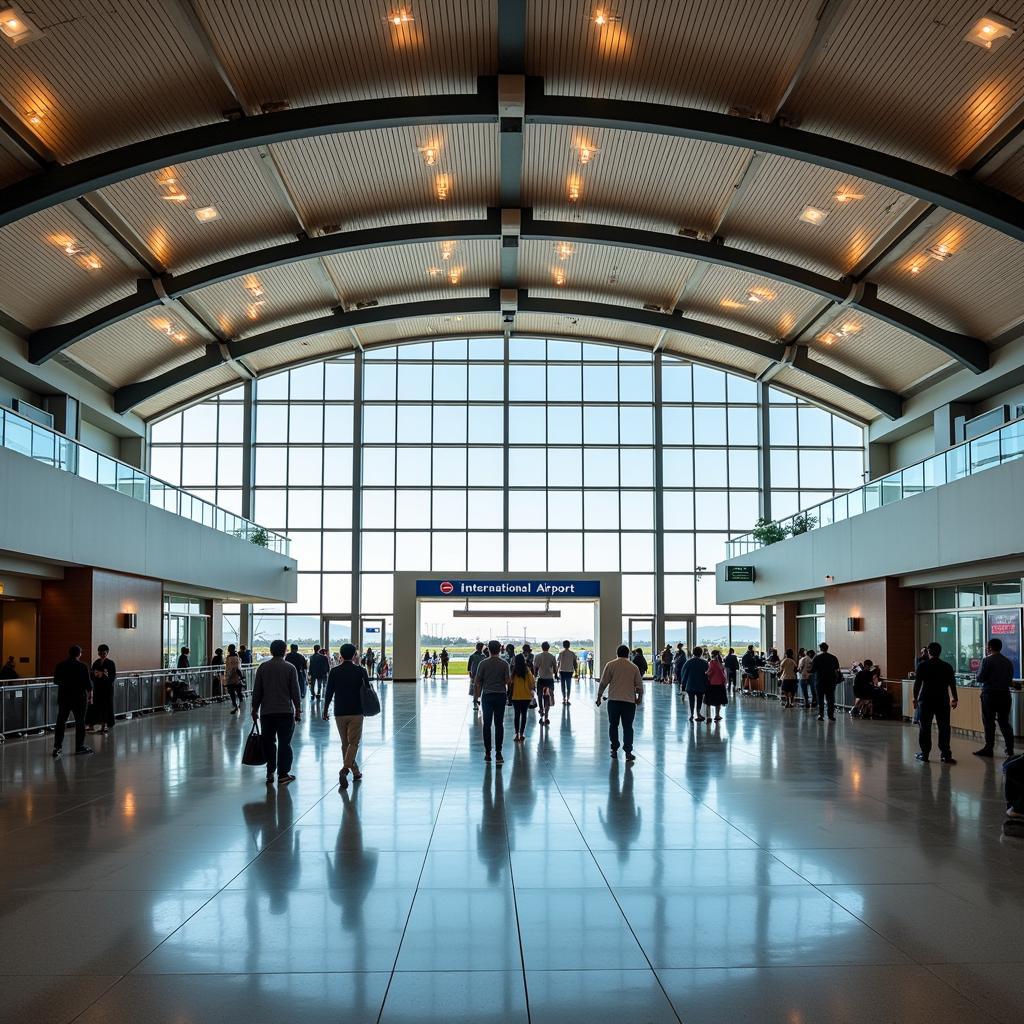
(785, 626)
(65, 617)
(114, 594)
(886, 611)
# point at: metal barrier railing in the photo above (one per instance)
(30, 705)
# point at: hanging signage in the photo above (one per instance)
(739, 574)
(371, 629)
(508, 588)
(1005, 626)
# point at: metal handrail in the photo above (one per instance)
(1004, 444)
(30, 705)
(42, 444)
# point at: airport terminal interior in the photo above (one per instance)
(613, 416)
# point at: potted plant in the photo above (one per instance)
(767, 531)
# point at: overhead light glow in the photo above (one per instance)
(845, 195)
(430, 153)
(433, 271)
(844, 330)
(442, 187)
(455, 276)
(175, 195)
(990, 32)
(915, 267)
(574, 188)
(756, 295)
(16, 28)
(563, 250)
(206, 213)
(400, 17)
(558, 276)
(586, 151)
(602, 16)
(33, 117)
(165, 179)
(92, 262)
(448, 250)
(812, 215)
(731, 304)
(940, 251)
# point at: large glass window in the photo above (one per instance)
(562, 480)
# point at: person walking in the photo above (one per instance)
(9, 672)
(233, 675)
(475, 658)
(826, 671)
(544, 668)
(104, 672)
(245, 655)
(718, 686)
(567, 662)
(665, 665)
(370, 660)
(217, 673)
(695, 682)
(622, 681)
(74, 695)
(444, 662)
(934, 682)
(319, 669)
(863, 690)
(732, 668)
(524, 685)
(183, 661)
(996, 678)
(301, 666)
(345, 688)
(787, 673)
(492, 690)
(750, 668)
(803, 668)
(678, 661)
(640, 661)
(278, 707)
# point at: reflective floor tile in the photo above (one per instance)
(555, 870)
(473, 997)
(996, 987)
(783, 995)
(345, 868)
(242, 999)
(48, 998)
(599, 996)
(481, 868)
(668, 868)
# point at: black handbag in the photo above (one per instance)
(253, 753)
(369, 700)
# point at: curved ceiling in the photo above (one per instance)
(828, 195)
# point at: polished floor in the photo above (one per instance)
(768, 869)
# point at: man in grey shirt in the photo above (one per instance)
(492, 683)
(625, 686)
(275, 701)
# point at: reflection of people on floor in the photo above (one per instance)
(269, 821)
(491, 838)
(352, 868)
(622, 820)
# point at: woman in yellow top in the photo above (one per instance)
(523, 687)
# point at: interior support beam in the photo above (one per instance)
(59, 183)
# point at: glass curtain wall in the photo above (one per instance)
(546, 456)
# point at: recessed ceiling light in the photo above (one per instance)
(206, 213)
(812, 215)
(16, 28)
(845, 195)
(731, 304)
(558, 276)
(563, 250)
(574, 188)
(33, 117)
(448, 250)
(174, 195)
(433, 271)
(430, 152)
(400, 17)
(915, 267)
(756, 295)
(586, 152)
(940, 251)
(92, 262)
(455, 276)
(990, 32)
(602, 16)
(442, 187)
(844, 330)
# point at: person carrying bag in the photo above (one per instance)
(348, 686)
(253, 752)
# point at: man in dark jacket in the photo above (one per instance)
(74, 694)
(996, 678)
(319, 667)
(301, 666)
(825, 669)
(750, 667)
(732, 666)
(345, 688)
(933, 683)
(9, 671)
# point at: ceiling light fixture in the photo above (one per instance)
(558, 276)
(174, 195)
(574, 188)
(812, 215)
(206, 213)
(442, 187)
(33, 117)
(845, 195)
(400, 17)
(990, 32)
(730, 304)
(447, 250)
(563, 250)
(586, 152)
(433, 271)
(430, 152)
(455, 276)
(16, 28)
(844, 330)
(756, 295)
(92, 262)
(940, 251)
(602, 17)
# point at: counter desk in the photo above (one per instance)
(966, 716)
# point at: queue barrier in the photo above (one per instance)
(30, 705)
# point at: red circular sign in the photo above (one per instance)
(446, 587)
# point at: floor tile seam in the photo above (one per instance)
(423, 864)
(85, 1009)
(611, 891)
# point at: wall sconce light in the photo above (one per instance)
(830, 579)
(854, 625)
(129, 620)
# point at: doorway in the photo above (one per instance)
(681, 629)
(334, 633)
(374, 636)
(641, 634)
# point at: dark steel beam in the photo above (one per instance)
(60, 183)
(131, 395)
(511, 36)
(886, 402)
(46, 343)
(975, 201)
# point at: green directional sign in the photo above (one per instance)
(739, 574)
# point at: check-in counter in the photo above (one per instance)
(966, 716)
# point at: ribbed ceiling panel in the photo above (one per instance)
(809, 386)
(217, 379)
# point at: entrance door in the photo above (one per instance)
(681, 629)
(641, 634)
(334, 633)
(374, 638)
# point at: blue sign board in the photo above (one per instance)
(544, 589)
(372, 629)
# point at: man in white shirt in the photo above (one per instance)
(625, 686)
(544, 668)
(566, 670)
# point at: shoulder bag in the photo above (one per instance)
(252, 753)
(369, 700)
